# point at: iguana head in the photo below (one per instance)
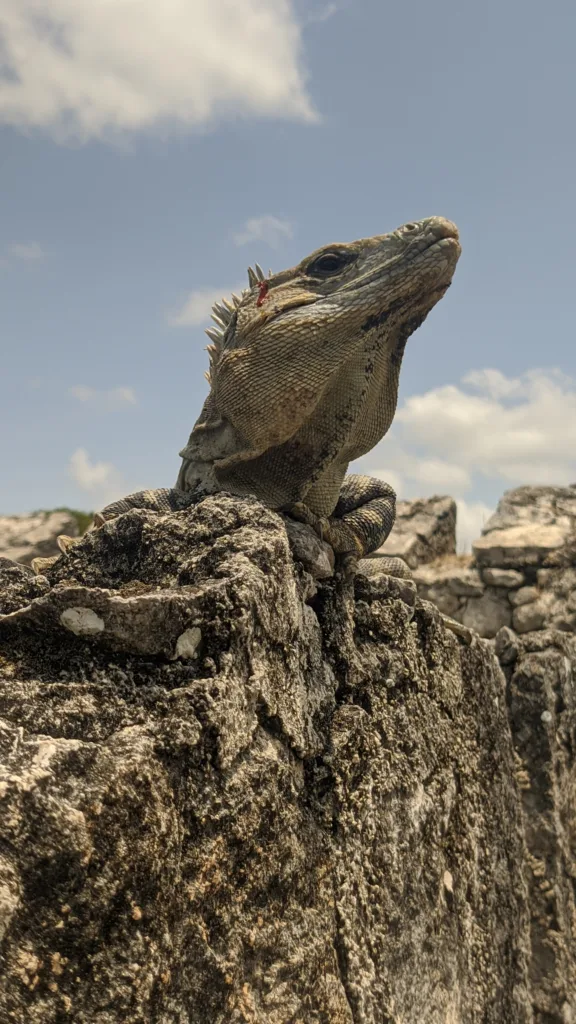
(404, 272)
(311, 355)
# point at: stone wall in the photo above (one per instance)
(522, 573)
(234, 793)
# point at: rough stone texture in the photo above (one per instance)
(519, 545)
(424, 530)
(487, 614)
(532, 526)
(525, 595)
(459, 580)
(541, 671)
(508, 578)
(528, 617)
(525, 559)
(232, 794)
(23, 538)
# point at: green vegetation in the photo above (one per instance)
(83, 519)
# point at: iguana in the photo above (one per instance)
(304, 369)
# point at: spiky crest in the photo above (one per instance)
(222, 313)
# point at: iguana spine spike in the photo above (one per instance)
(214, 334)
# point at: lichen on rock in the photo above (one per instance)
(240, 790)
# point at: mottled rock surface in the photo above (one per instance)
(532, 526)
(523, 571)
(541, 674)
(23, 538)
(425, 529)
(233, 793)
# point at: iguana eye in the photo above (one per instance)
(329, 263)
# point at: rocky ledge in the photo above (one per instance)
(523, 569)
(233, 790)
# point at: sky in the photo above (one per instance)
(150, 152)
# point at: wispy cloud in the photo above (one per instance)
(100, 479)
(268, 229)
(322, 13)
(105, 399)
(75, 69)
(195, 310)
(26, 251)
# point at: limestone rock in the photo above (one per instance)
(506, 646)
(23, 538)
(547, 506)
(524, 596)
(487, 614)
(457, 579)
(508, 578)
(542, 710)
(19, 586)
(528, 616)
(304, 811)
(519, 545)
(532, 526)
(316, 556)
(424, 530)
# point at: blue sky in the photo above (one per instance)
(149, 153)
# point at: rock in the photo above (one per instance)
(446, 602)
(528, 617)
(487, 614)
(525, 505)
(316, 556)
(23, 538)
(532, 526)
(424, 530)
(542, 710)
(466, 584)
(302, 812)
(519, 545)
(556, 587)
(508, 578)
(19, 586)
(445, 582)
(506, 646)
(524, 596)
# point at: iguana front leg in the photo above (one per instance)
(360, 523)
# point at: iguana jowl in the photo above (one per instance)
(304, 370)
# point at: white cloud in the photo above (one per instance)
(268, 229)
(27, 251)
(196, 309)
(88, 68)
(509, 432)
(105, 399)
(100, 479)
(494, 383)
(520, 430)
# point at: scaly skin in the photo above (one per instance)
(304, 379)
